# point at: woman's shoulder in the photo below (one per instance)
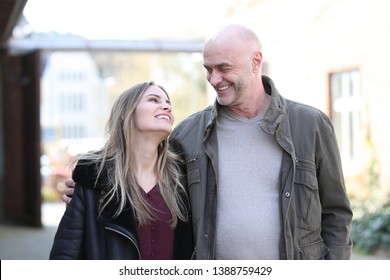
(87, 173)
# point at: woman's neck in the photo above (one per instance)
(146, 156)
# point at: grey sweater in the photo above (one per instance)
(248, 211)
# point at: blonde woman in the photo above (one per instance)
(128, 201)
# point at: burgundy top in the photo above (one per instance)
(156, 238)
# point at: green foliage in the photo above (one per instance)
(371, 224)
(371, 232)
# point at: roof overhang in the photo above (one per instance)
(10, 12)
(26, 45)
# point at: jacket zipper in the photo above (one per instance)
(128, 237)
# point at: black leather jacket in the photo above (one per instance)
(81, 235)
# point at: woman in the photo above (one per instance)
(128, 201)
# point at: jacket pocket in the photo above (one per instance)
(307, 200)
(314, 251)
(193, 172)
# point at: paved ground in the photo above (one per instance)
(25, 243)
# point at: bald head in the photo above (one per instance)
(234, 45)
(235, 35)
(232, 58)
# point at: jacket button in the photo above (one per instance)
(287, 194)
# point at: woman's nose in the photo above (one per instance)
(166, 107)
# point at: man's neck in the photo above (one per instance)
(253, 107)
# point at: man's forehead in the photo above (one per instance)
(215, 64)
(218, 57)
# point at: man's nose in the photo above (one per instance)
(215, 79)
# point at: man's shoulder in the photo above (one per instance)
(303, 107)
(300, 111)
(195, 120)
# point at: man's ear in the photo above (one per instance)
(257, 60)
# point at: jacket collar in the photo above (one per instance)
(277, 109)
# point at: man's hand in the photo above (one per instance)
(68, 192)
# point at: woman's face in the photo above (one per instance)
(154, 112)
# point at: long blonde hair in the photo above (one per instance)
(117, 159)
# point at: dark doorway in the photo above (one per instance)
(21, 136)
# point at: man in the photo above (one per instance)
(263, 172)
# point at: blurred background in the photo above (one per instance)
(63, 63)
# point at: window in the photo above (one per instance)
(72, 102)
(346, 107)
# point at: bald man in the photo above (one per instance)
(264, 173)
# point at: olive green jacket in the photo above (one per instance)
(316, 213)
